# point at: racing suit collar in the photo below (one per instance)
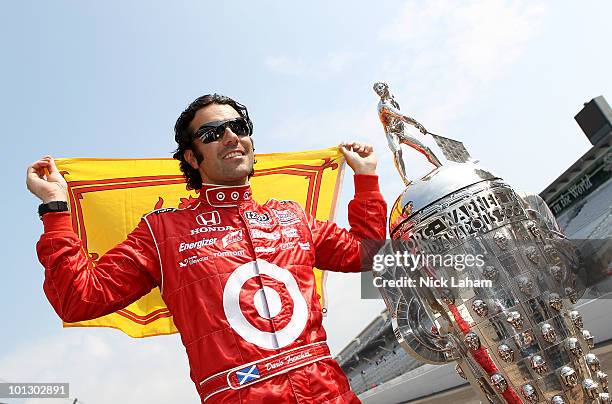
(225, 195)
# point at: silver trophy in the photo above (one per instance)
(506, 317)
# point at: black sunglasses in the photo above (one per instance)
(211, 131)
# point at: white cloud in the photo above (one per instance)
(285, 65)
(447, 52)
(329, 65)
(104, 366)
(480, 36)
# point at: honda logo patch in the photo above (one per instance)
(208, 218)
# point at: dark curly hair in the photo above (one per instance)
(184, 138)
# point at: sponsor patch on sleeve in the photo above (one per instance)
(231, 238)
(286, 217)
(290, 232)
(274, 235)
(164, 210)
(258, 219)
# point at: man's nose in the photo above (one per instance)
(230, 137)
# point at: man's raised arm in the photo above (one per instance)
(337, 249)
(77, 288)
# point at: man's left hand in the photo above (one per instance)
(360, 157)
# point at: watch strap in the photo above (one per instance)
(53, 206)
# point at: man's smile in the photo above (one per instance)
(233, 154)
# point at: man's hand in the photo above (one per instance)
(360, 157)
(44, 180)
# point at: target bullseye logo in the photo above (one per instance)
(268, 304)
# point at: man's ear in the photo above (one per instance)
(191, 159)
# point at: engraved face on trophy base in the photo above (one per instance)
(499, 382)
(548, 333)
(603, 380)
(532, 254)
(574, 347)
(572, 295)
(568, 376)
(557, 400)
(472, 341)
(588, 338)
(514, 318)
(554, 300)
(501, 240)
(590, 388)
(576, 318)
(490, 273)
(526, 285)
(539, 364)
(505, 352)
(592, 362)
(480, 307)
(529, 393)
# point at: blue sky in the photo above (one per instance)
(108, 79)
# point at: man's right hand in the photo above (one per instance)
(45, 181)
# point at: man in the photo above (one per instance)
(237, 276)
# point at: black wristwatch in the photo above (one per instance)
(53, 206)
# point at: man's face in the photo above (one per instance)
(226, 161)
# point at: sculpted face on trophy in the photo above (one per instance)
(590, 388)
(514, 318)
(472, 341)
(532, 254)
(572, 295)
(529, 393)
(548, 333)
(592, 362)
(539, 364)
(603, 380)
(501, 240)
(526, 285)
(576, 318)
(557, 400)
(499, 382)
(533, 229)
(568, 376)
(513, 328)
(588, 338)
(554, 300)
(574, 346)
(490, 273)
(480, 307)
(556, 272)
(505, 352)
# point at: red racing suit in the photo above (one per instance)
(236, 276)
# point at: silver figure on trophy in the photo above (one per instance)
(506, 319)
(394, 123)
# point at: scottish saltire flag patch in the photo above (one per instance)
(247, 374)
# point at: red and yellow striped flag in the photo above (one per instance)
(108, 197)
